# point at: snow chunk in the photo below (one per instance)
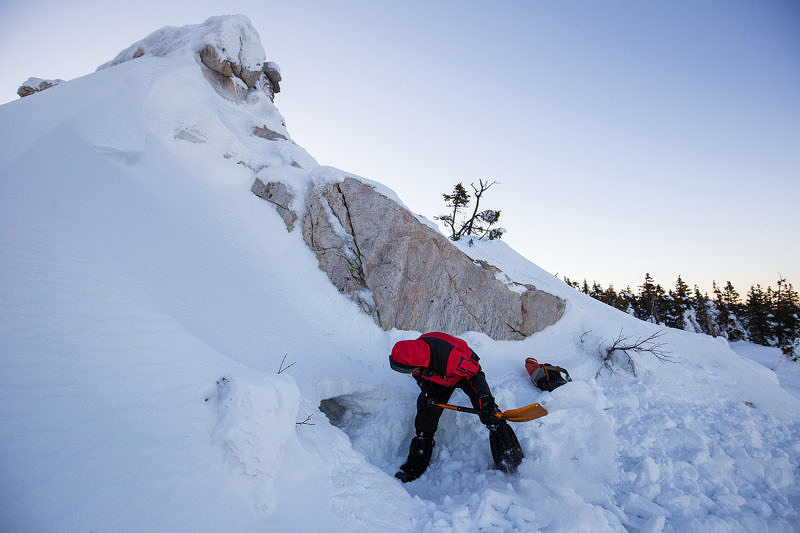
(257, 433)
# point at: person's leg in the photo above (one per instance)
(427, 419)
(425, 424)
(506, 450)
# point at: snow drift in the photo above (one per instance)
(148, 300)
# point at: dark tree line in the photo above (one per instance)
(768, 317)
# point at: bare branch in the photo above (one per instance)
(306, 421)
(478, 192)
(282, 368)
(649, 345)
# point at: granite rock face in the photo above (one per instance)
(408, 276)
(234, 79)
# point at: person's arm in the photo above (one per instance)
(481, 388)
(486, 402)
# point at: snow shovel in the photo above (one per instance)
(521, 414)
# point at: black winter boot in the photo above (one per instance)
(506, 451)
(419, 455)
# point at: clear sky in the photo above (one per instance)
(627, 137)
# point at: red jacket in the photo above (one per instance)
(446, 360)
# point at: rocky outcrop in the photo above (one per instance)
(273, 74)
(408, 276)
(35, 85)
(228, 49)
(539, 309)
(268, 134)
(235, 80)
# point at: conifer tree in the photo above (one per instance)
(787, 318)
(678, 303)
(757, 316)
(720, 316)
(730, 312)
(597, 292)
(682, 290)
(772, 325)
(627, 300)
(725, 302)
(670, 315)
(705, 312)
(649, 301)
(610, 297)
(457, 201)
(585, 287)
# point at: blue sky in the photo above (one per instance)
(627, 137)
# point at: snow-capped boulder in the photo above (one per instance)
(228, 48)
(35, 85)
(408, 276)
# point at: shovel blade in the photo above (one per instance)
(524, 414)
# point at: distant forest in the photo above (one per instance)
(768, 317)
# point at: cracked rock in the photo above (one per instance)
(403, 273)
(408, 276)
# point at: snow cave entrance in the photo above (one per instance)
(344, 412)
(377, 428)
(381, 430)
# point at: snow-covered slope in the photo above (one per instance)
(148, 299)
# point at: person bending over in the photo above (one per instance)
(441, 363)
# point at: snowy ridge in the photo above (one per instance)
(148, 299)
(233, 36)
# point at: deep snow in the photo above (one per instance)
(147, 300)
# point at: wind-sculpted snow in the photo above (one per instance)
(228, 47)
(256, 430)
(149, 300)
(233, 36)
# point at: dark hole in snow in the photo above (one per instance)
(343, 411)
(334, 410)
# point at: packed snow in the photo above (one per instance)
(174, 360)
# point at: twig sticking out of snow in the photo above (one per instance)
(623, 344)
(282, 368)
(306, 421)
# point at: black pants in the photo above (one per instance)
(427, 419)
